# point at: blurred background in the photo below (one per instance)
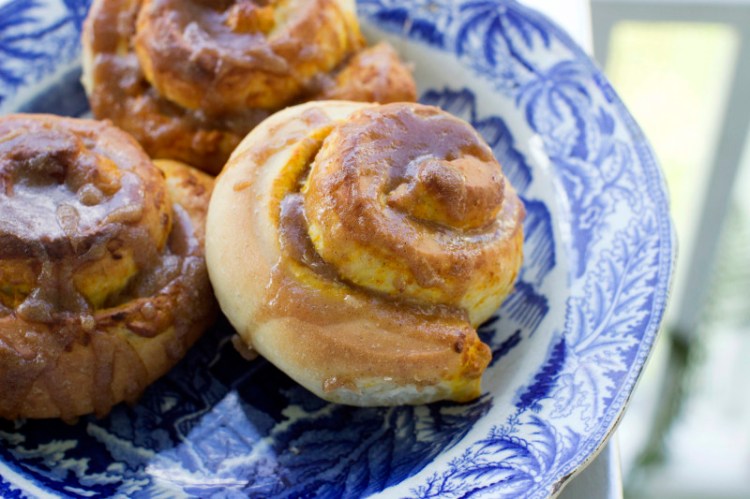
(683, 69)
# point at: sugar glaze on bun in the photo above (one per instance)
(358, 246)
(103, 281)
(190, 78)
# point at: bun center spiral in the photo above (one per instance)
(406, 200)
(73, 224)
(230, 54)
(357, 246)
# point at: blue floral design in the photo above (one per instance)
(499, 34)
(620, 273)
(198, 424)
(578, 381)
(37, 37)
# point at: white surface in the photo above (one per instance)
(572, 15)
(602, 479)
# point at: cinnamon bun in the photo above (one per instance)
(103, 283)
(190, 78)
(358, 246)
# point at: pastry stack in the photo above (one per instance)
(353, 238)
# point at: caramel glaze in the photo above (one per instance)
(118, 90)
(375, 168)
(374, 74)
(188, 81)
(77, 199)
(416, 190)
(218, 56)
(337, 304)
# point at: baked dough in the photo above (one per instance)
(189, 78)
(103, 284)
(357, 247)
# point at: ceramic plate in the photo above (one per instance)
(568, 344)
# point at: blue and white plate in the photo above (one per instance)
(569, 344)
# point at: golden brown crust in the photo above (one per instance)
(185, 96)
(221, 56)
(345, 341)
(121, 289)
(375, 74)
(409, 201)
(118, 90)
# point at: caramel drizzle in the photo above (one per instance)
(395, 149)
(55, 317)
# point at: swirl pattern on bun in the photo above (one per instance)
(103, 284)
(190, 78)
(358, 246)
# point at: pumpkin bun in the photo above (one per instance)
(103, 282)
(190, 78)
(358, 246)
